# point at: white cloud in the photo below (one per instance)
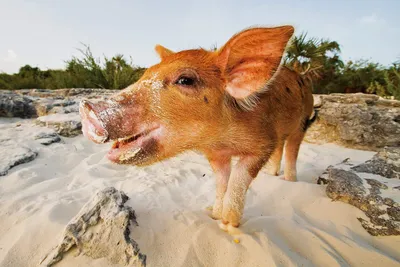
(372, 20)
(11, 56)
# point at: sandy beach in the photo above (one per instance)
(284, 223)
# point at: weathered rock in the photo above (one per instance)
(45, 93)
(385, 163)
(32, 103)
(377, 196)
(317, 100)
(47, 106)
(13, 154)
(15, 105)
(68, 92)
(68, 125)
(356, 120)
(101, 230)
(47, 137)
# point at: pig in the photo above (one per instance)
(237, 101)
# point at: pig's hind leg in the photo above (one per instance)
(291, 152)
(274, 163)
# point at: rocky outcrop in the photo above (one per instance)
(15, 105)
(67, 125)
(101, 230)
(13, 154)
(18, 142)
(356, 120)
(40, 102)
(367, 187)
(385, 163)
(65, 93)
(56, 109)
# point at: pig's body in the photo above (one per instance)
(225, 103)
(280, 112)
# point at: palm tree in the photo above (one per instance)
(312, 56)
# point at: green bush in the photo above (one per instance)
(84, 72)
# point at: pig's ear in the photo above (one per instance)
(250, 58)
(162, 51)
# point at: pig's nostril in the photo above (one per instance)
(95, 129)
(98, 132)
(85, 106)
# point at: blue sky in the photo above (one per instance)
(45, 33)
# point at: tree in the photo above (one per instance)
(312, 57)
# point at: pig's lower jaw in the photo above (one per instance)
(136, 151)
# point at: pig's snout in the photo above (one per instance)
(92, 125)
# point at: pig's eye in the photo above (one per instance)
(185, 81)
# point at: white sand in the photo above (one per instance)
(284, 224)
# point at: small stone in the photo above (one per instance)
(13, 154)
(68, 125)
(48, 137)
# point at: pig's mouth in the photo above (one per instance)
(134, 149)
(137, 149)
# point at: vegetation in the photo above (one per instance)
(84, 72)
(317, 59)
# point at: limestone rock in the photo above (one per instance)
(32, 103)
(101, 230)
(356, 120)
(15, 105)
(385, 163)
(13, 154)
(367, 187)
(47, 137)
(67, 125)
(317, 100)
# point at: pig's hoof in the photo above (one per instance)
(231, 218)
(272, 172)
(289, 179)
(213, 215)
(230, 229)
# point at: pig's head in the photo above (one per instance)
(182, 103)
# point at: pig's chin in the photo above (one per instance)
(136, 149)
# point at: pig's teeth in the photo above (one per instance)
(129, 154)
(125, 138)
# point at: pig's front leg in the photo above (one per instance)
(222, 170)
(242, 175)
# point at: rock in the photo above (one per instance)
(384, 213)
(32, 103)
(67, 125)
(47, 137)
(13, 154)
(101, 230)
(385, 163)
(317, 101)
(47, 106)
(367, 187)
(356, 120)
(44, 93)
(15, 105)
